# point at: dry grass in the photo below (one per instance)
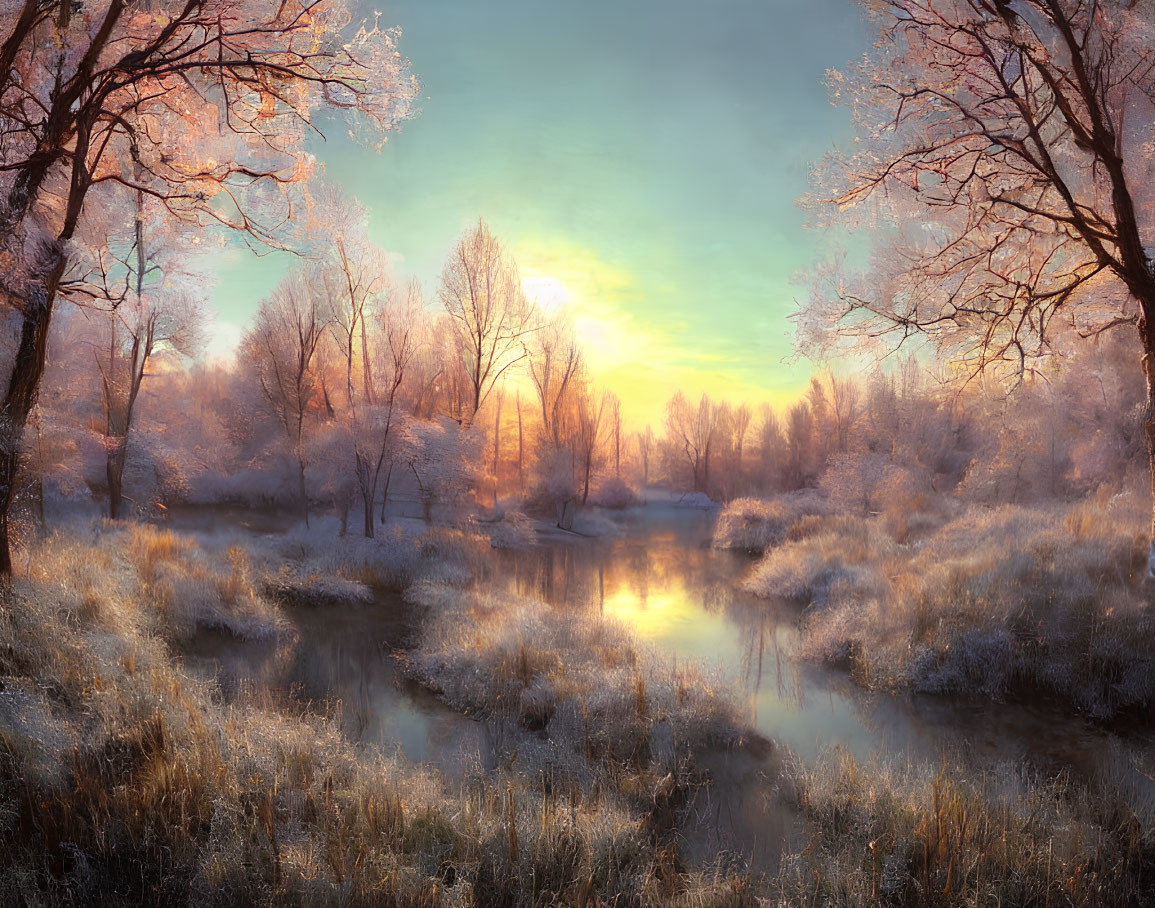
(951, 837)
(752, 525)
(125, 782)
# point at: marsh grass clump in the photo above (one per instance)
(997, 601)
(753, 525)
(575, 702)
(946, 835)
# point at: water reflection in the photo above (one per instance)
(662, 580)
(341, 661)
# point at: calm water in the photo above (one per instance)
(342, 660)
(661, 578)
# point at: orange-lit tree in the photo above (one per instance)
(201, 105)
(1006, 144)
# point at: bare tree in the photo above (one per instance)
(129, 288)
(646, 450)
(401, 324)
(693, 430)
(1010, 138)
(210, 101)
(491, 316)
(520, 446)
(614, 415)
(589, 423)
(554, 361)
(281, 348)
(355, 276)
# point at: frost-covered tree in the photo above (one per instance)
(144, 301)
(489, 313)
(1007, 143)
(441, 456)
(692, 432)
(555, 367)
(209, 100)
(401, 321)
(280, 349)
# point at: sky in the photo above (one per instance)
(640, 158)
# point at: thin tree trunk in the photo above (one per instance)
(520, 448)
(40, 507)
(367, 500)
(366, 367)
(497, 443)
(114, 472)
(385, 491)
(303, 490)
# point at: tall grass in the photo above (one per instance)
(949, 836)
(125, 781)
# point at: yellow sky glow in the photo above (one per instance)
(643, 363)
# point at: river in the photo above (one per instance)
(661, 578)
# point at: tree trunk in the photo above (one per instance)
(27, 368)
(1149, 426)
(367, 498)
(114, 472)
(385, 491)
(520, 448)
(304, 491)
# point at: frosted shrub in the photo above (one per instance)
(513, 531)
(995, 601)
(614, 494)
(843, 553)
(751, 525)
(348, 564)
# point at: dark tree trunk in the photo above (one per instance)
(303, 490)
(114, 472)
(385, 491)
(367, 499)
(27, 369)
(1148, 338)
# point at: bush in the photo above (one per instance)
(752, 525)
(615, 495)
(996, 601)
(513, 531)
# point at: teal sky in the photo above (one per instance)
(642, 160)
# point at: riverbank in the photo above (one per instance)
(176, 729)
(999, 602)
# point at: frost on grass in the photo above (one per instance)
(316, 566)
(514, 530)
(753, 525)
(579, 680)
(950, 835)
(123, 779)
(996, 600)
